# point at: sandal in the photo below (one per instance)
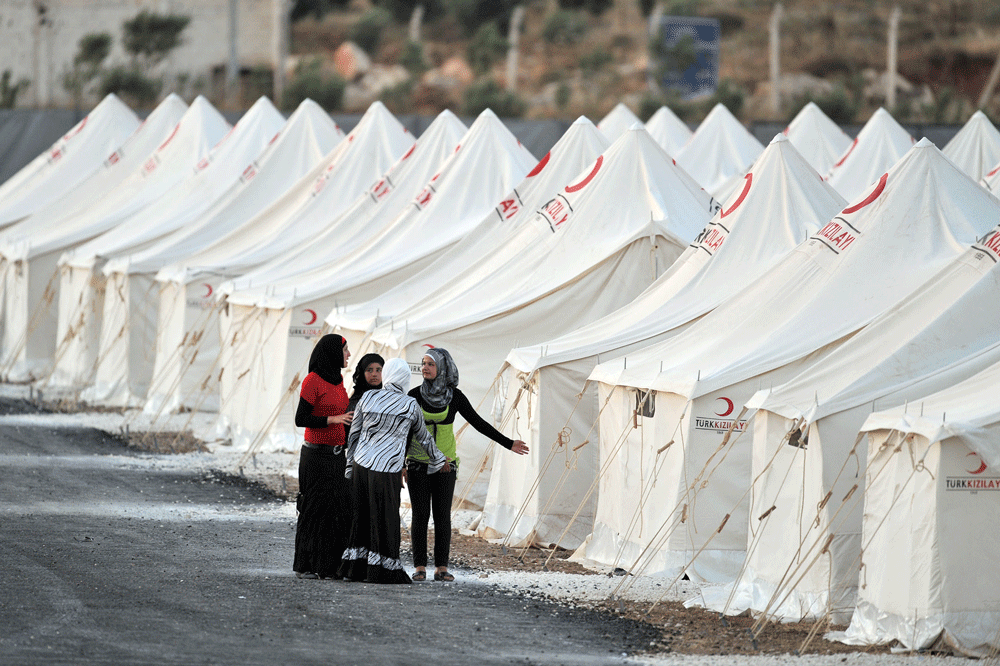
(419, 576)
(443, 576)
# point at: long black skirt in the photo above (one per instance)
(372, 552)
(324, 506)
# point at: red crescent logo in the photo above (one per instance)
(583, 183)
(982, 465)
(312, 317)
(729, 407)
(870, 198)
(208, 290)
(541, 165)
(849, 151)
(743, 195)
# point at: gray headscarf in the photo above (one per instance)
(437, 392)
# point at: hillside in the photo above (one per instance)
(573, 62)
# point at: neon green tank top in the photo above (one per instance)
(443, 434)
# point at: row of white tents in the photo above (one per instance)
(689, 329)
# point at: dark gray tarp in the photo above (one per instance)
(26, 133)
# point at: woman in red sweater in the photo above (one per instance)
(324, 501)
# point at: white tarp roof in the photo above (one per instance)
(118, 166)
(863, 262)
(205, 182)
(719, 149)
(70, 160)
(976, 147)
(309, 206)
(485, 166)
(879, 145)
(192, 138)
(781, 204)
(668, 130)
(817, 138)
(577, 149)
(369, 213)
(307, 136)
(617, 122)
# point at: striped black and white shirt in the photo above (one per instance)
(384, 422)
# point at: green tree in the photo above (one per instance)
(150, 37)
(91, 52)
(487, 47)
(9, 91)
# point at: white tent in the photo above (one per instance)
(308, 135)
(292, 220)
(668, 130)
(817, 138)
(81, 279)
(576, 149)
(617, 122)
(591, 249)
(804, 435)
(719, 149)
(975, 149)
(193, 136)
(930, 530)
(879, 145)
(115, 168)
(781, 204)
(685, 450)
(272, 341)
(69, 161)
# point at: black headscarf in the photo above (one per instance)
(327, 359)
(437, 392)
(360, 383)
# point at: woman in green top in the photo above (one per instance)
(440, 399)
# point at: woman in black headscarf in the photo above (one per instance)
(324, 502)
(440, 399)
(367, 376)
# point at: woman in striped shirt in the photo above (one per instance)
(385, 421)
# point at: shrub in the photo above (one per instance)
(402, 10)
(486, 48)
(595, 61)
(486, 94)
(367, 32)
(399, 98)
(837, 104)
(563, 94)
(729, 95)
(412, 58)
(564, 27)
(595, 7)
(9, 91)
(473, 14)
(317, 8)
(311, 82)
(131, 84)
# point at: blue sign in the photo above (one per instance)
(686, 55)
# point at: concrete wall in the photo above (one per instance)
(38, 39)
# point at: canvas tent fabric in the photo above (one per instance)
(937, 336)
(68, 161)
(602, 239)
(878, 146)
(307, 135)
(781, 204)
(46, 238)
(719, 149)
(575, 150)
(910, 224)
(668, 130)
(294, 219)
(257, 409)
(817, 138)
(975, 149)
(930, 472)
(92, 334)
(617, 122)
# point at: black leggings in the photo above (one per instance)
(426, 491)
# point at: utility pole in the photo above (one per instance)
(514, 42)
(282, 11)
(233, 67)
(893, 52)
(775, 52)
